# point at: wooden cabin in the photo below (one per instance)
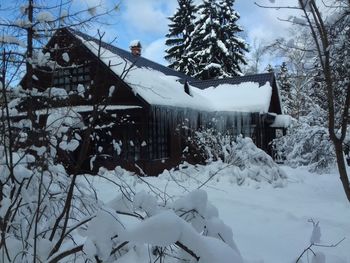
(147, 110)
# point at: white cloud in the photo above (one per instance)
(147, 15)
(155, 51)
(261, 23)
(93, 3)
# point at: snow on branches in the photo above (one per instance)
(207, 46)
(307, 143)
(6, 39)
(237, 157)
(187, 228)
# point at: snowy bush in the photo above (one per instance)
(209, 145)
(236, 156)
(307, 143)
(52, 217)
(218, 172)
(32, 201)
(185, 230)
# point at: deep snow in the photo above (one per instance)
(269, 224)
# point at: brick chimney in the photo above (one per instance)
(135, 47)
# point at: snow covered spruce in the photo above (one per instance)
(203, 40)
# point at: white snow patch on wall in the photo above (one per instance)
(65, 57)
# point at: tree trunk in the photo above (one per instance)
(342, 168)
(30, 32)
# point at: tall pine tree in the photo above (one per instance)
(285, 85)
(235, 45)
(215, 46)
(178, 38)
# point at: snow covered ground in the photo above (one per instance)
(269, 224)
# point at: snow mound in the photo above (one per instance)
(256, 163)
(234, 158)
(219, 172)
(167, 228)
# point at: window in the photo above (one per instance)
(69, 78)
(158, 142)
(131, 146)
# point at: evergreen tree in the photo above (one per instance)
(235, 45)
(284, 83)
(178, 38)
(215, 47)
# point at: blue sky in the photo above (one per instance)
(146, 20)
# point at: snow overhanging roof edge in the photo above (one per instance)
(196, 85)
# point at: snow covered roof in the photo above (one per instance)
(135, 43)
(155, 87)
(243, 97)
(258, 78)
(159, 85)
(140, 62)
